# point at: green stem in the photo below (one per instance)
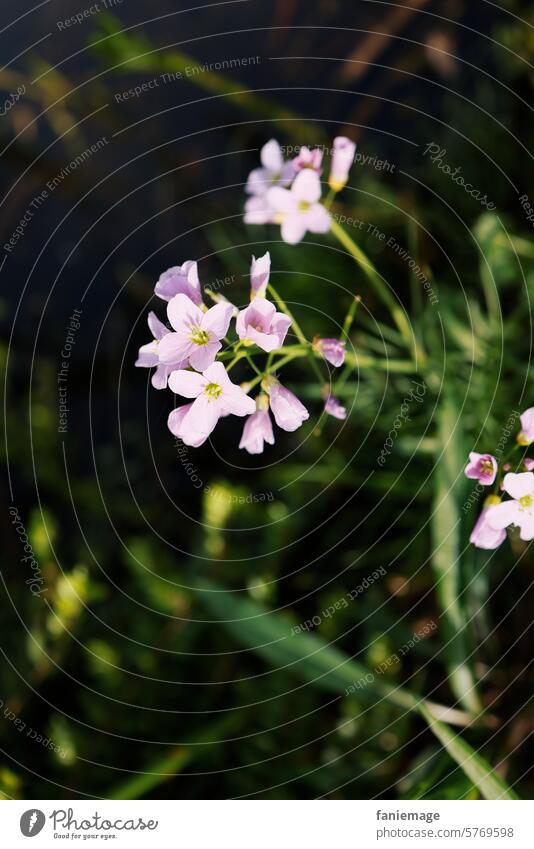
(300, 335)
(329, 198)
(380, 287)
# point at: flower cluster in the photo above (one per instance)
(289, 192)
(518, 510)
(188, 357)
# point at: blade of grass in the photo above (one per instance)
(490, 785)
(172, 763)
(446, 555)
(315, 661)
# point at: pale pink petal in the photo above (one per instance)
(180, 279)
(526, 524)
(187, 383)
(258, 430)
(317, 219)
(271, 156)
(258, 211)
(258, 182)
(342, 159)
(293, 228)
(501, 515)
(203, 355)
(183, 313)
(281, 200)
(176, 417)
(148, 355)
(161, 376)
(216, 373)
(334, 408)
(217, 319)
(288, 411)
(266, 341)
(527, 424)
(307, 186)
(157, 328)
(519, 485)
(173, 348)
(200, 421)
(484, 536)
(259, 274)
(237, 402)
(280, 325)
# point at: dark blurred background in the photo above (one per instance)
(120, 663)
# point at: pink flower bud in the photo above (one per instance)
(257, 431)
(481, 467)
(333, 350)
(288, 411)
(342, 159)
(334, 408)
(527, 427)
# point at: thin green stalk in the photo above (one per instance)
(349, 318)
(300, 335)
(380, 287)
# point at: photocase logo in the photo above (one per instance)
(32, 822)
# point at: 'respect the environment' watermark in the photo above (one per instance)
(88, 12)
(390, 242)
(64, 368)
(189, 71)
(36, 580)
(39, 200)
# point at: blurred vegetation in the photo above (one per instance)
(161, 661)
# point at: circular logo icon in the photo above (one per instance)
(32, 822)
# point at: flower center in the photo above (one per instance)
(213, 391)
(486, 467)
(525, 501)
(199, 336)
(303, 205)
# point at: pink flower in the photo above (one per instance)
(481, 467)
(518, 511)
(298, 208)
(260, 324)
(259, 275)
(180, 279)
(342, 159)
(527, 427)
(197, 333)
(484, 535)
(274, 170)
(334, 408)
(288, 411)
(149, 354)
(308, 159)
(528, 464)
(258, 211)
(215, 396)
(257, 431)
(333, 350)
